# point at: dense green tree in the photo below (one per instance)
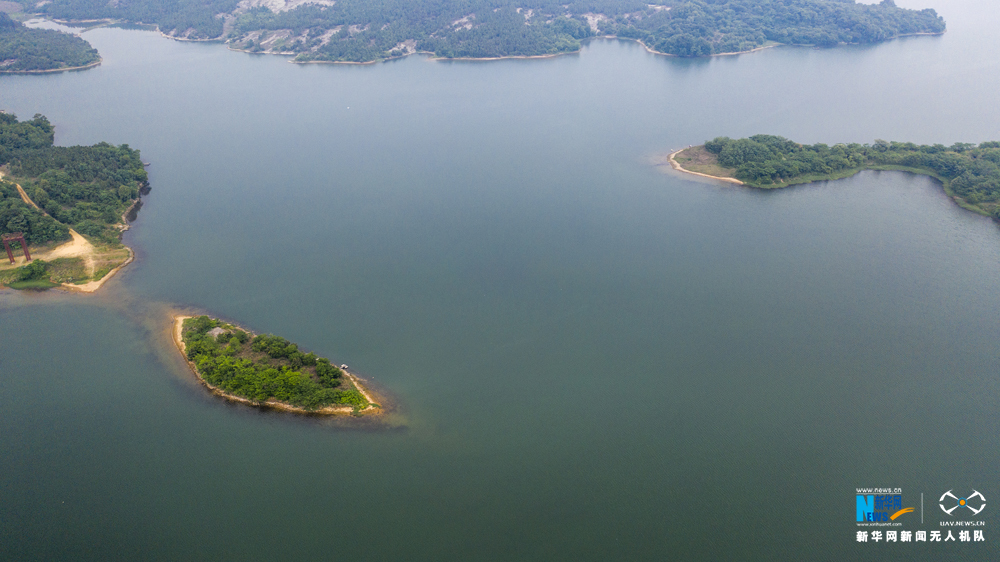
(33, 271)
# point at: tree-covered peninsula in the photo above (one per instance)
(970, 173)
(267, 370)
(24, 50)
(69, 202)
(370, 30)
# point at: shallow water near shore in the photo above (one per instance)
(595, 359)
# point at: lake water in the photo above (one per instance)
(593, 358)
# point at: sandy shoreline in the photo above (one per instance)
(469, 59)
(661, 53)
(515, 57)
(221, 39)
(95, 285)
(271, 404)
(216, 40)
(525, 57)
(546, 56)
(50, 71)
(675, 165)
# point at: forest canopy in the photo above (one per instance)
(24, 49)
(368, 30)
(88, 188)
(969, 172)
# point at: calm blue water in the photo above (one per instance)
(593, 358)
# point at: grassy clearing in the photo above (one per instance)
(8, 275)
(33, 285)
(68, 270)
(697, 159)
(107, 258)
(92, 266)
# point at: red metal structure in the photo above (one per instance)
(15, 237)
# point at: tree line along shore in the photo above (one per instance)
(371, 30)
(969, 173)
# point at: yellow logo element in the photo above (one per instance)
(901, 512)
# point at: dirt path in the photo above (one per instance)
(78, 247)
(25, 196)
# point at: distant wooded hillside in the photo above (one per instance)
(367, 30)
(25, 49)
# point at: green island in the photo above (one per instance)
(266, 370)
(70, 204)
(970, 173)
(372, 30)
(24, 50)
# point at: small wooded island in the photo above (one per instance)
(269, 371)
(372, 30)
(24, 50)
(70, 205)
(969, 173)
